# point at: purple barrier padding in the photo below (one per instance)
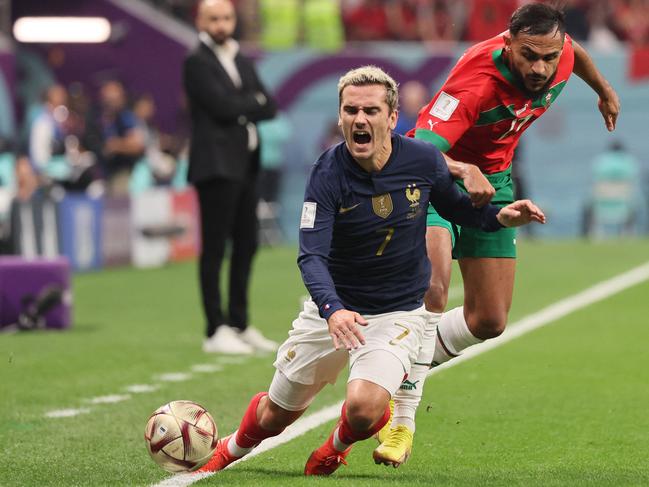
(20, 277)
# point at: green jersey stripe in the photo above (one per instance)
(437, 140)
(549, 96)
(495, 115)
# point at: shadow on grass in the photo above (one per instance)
(341, 475)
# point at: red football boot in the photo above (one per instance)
(220, 459)
(326, 459)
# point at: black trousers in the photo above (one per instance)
(228, 213)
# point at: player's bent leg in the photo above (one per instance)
(396, 444)
(364, 412)
(488, 290)
(267, 415)
(396, 437)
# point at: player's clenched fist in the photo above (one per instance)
(519, 213)
(344, 330)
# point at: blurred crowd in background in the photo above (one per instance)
(604, 22)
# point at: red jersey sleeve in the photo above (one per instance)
(452, 111)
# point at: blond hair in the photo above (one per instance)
(370, 75)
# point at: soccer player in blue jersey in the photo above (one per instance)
(363, 260)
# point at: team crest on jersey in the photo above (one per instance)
(382, 205)
(548, 97)
(413, 194)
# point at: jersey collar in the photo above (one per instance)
(501, 65)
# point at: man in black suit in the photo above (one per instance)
(226, 99)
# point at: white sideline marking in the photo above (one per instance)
(66, 413)
(174, 377)
(206, 368)
(531, 322)
(551, 313)
(112, 398)
(141, 388)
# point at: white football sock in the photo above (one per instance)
(339, 445)
(453, 336)
(234, 449)
(408, 396)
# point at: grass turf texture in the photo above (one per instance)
(564, 405)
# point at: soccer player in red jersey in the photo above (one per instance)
(492, 95)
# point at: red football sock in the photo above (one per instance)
(250, 434)
(348, 435)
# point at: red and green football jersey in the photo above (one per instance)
(480, 112)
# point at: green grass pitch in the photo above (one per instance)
(563, 405)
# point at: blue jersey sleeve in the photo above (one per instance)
(316, 230)
(455, 206)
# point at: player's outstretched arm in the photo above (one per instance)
(519, 213)
(608, 103)
(479, 188)
(344, 330)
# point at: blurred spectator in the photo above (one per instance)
(441, 20)
(161, 164)
(601, 34)
(123, 139)
(323, 25)
(280, 23)
(632, 21)
(413, 97)
(47, 131)
(366, 20)
(402, 19)
(577, 25)
(613, 208)
(54, 150)
(487, 18)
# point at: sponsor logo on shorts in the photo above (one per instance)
(406, 385)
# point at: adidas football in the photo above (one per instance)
(181, 436)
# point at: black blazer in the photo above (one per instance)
(219, 113)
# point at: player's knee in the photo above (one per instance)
(362, 415)
(436, 297)
(487, 326)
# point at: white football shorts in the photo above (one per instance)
(307, 360)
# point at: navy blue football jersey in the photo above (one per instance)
(362, 235)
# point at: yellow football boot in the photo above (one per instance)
(396, 448)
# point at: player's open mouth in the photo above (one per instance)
(362, 137)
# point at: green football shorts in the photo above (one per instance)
(473, 242)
